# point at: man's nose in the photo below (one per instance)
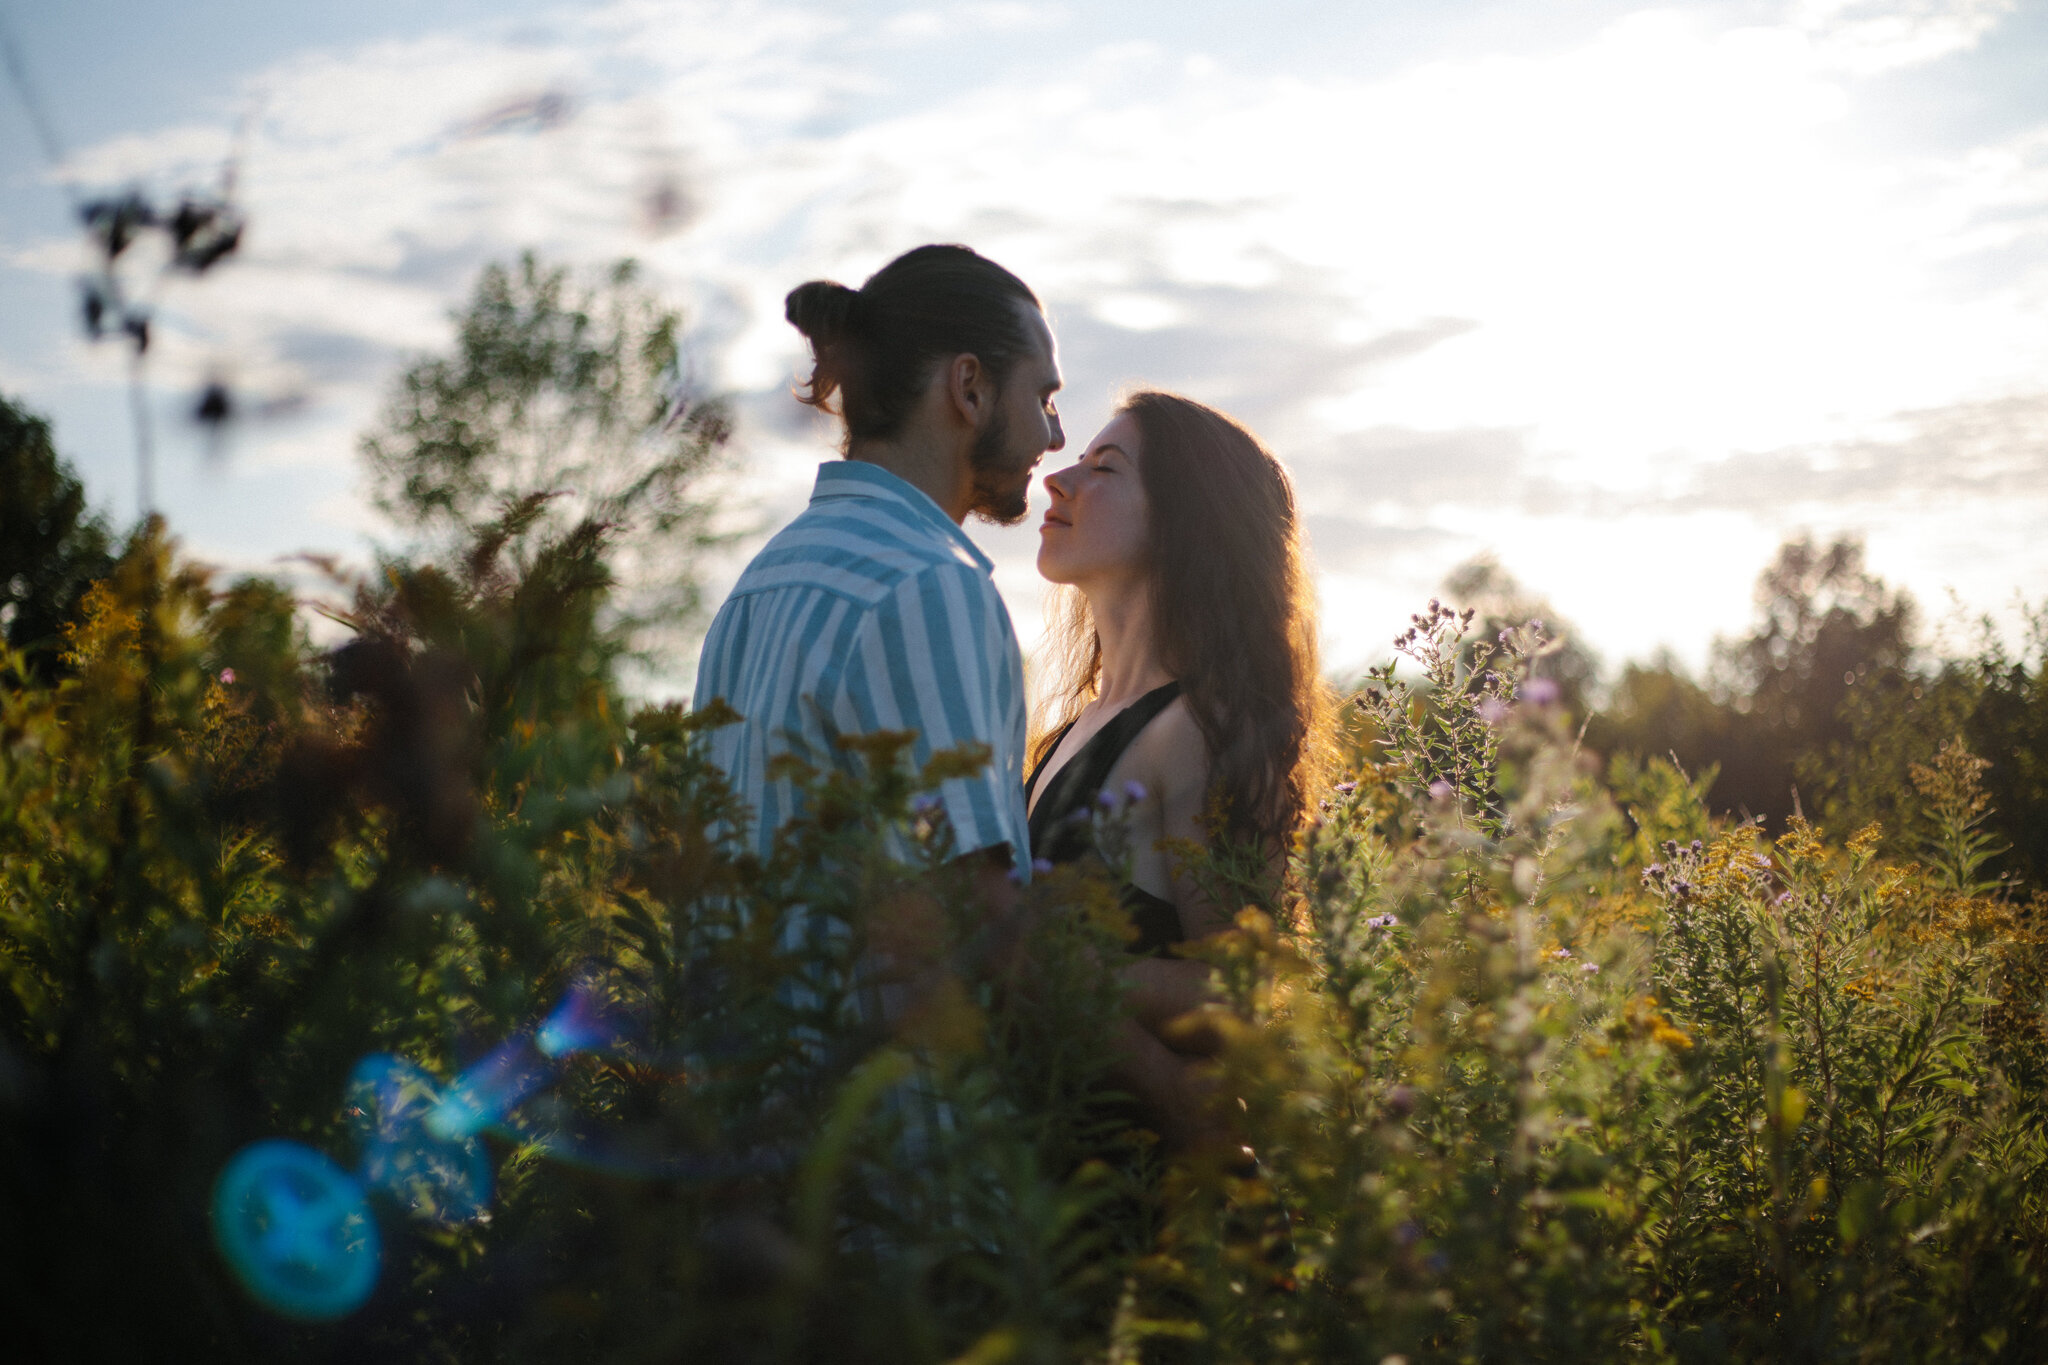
(1059, 435)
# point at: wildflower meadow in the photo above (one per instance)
(416, 994)
(1543, 1058)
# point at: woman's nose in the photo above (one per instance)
(1055, 484)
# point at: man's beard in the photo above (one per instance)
(1002, 493)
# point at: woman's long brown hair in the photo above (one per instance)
(1234, 610)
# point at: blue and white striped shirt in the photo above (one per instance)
(870, 611)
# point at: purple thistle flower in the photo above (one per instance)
(1589, 967)
(1441, 790)
(1135, 790)
(1105, 799)
(1541, 691)
(1346, 788)
(1040, 866)
(227, 677)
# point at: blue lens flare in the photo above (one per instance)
(391, 1105)
(579, 1023)
(489, 1090)
(296, 1230)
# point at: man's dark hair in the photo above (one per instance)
(875, 346)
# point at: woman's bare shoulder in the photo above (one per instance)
(1172, 756)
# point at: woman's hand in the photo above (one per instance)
(1172, 1000)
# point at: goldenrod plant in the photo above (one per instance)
(1538, 1055)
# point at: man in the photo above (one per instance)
(873, 610)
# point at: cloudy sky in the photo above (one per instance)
(1621, 294)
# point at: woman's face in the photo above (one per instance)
(1094, 532)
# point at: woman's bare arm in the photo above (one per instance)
(1170, 996)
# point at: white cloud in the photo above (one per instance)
(1867, 37)
(1518, 300)
(1139, 312)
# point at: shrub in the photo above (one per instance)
(1534, 1069)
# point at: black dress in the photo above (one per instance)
(1060, 828)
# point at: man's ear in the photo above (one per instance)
(968, 391)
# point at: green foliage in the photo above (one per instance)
(1663, 803)
(1777, 1108)
(1996, 703)
(51, 547)
(1825, 709)
(1956, 843)
(216, 894)
(580, 390)
(1437, 733)
(1538, 1062)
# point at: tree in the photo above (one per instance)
(52, 547)
(1995, 703)
(574, 388)
(1503, 603)
(1828, 631)
(1827, 627)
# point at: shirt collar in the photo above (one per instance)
(860, 479)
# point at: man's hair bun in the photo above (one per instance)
(822, 310)
(876, 348)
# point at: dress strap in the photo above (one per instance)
(1078, 780)
(1060, 827)
(1052, 747)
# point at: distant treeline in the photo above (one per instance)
(1823, 709)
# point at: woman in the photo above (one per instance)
(1183, 671)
